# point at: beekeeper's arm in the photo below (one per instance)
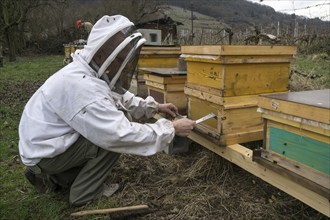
(107, 127)
(147, 108)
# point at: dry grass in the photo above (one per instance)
(199, 185)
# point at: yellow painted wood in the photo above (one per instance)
(239, 50)
(198, 108)
(147, 50)
(241, 119)
(177, 97)
(207, 89)
(245, 60)
(230, 121)
(241, 137)
(242, 157)
(239, 70)
(296, 109)
(172, 79)
(166, 87)
(206, 74)
(251, 79)
(159, 57)
(239, 79)
(203, 95)
(274, 117)
(158, 62)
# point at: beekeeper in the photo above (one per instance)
(76, 125)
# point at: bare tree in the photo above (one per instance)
(13, 15)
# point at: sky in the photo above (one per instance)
(307, 8)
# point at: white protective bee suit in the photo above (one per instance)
(75, 102)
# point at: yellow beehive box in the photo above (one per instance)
(153, 57)
(227, 80)
(166, 85)
(237, 118)
(297, 135)
(239, 70)
(159, 57)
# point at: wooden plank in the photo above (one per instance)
(207, 74)
(198, 108)
(316, 98)
(161, 50)
(242, 157)
(163, 61)
(207, 89)
(317, 177)
(227, 139)
(232, 124)
(301, 132)
(227, 102)
(311, 112)
(164, 71)
(177, 98)
(240, 120)
(273, 116)
(203, 96)
(227, 60)
(239, 79)
(250, 79)
(223, 50)
(166, 87)
(241, 137)
(174, 79)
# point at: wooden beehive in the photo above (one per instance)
(153, 57)
(297, 135)
(227, 80)
(166, 85)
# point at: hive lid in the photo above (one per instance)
(316, 98)
(313, 105)
(239, 50)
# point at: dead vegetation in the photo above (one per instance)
(199, 185)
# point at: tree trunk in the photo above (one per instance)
(10, 38)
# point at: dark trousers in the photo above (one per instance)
(83, 168)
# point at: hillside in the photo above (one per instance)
(241, 14)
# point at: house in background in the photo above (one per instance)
(178, 26)
(161, 31)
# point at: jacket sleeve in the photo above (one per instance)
(139, 107)
(104, 125)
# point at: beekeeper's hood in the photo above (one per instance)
(112, 50)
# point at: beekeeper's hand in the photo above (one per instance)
(169, 109)
(183, 126)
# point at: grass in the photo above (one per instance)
(175, 181)
(18, 81)
(310, 72)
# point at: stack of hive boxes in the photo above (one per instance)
(153, 57)
(227, 81)
(297, 136)
(166, 85)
